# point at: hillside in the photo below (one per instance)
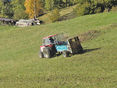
(66, 13)
(20, 66)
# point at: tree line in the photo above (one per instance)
(21, 9)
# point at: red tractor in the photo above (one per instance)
(57, 44)
(48, 49)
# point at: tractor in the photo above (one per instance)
(57, 44)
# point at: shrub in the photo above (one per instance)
(82, 9)
(19, 13)
(54, 15)
(88, 8)
(98, 10)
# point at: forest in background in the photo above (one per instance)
(24, 9)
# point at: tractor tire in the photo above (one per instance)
(65, 54)
(47, 53)
(41, 55)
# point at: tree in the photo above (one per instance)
(19, 13)
(49, 4)
(67, 2)
(19, 9)
(82, 9)
(33, 7)
(6, 9)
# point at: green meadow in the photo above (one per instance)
(21, 67)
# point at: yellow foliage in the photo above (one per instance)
(33, 7)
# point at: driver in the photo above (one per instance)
(51, 40)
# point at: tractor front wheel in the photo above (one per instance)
(41, 55)
(65, 54)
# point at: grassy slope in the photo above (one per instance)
(20, 66)
(63, 12)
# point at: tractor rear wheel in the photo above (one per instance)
(47, 53)
(65, 54)
(41, 55)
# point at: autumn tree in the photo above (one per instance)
(33, 7)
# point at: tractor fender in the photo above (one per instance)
(42, 48)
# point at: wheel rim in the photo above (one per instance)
(46, 56)
(64, 54)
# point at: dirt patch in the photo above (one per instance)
(114, 25)
(95, 33)
(89, 35)
(109, 27)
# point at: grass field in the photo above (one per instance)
(20, 66)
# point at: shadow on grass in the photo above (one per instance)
(82, 52)
(90, 50)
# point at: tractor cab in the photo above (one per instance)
(48, 40)
(57, 39)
